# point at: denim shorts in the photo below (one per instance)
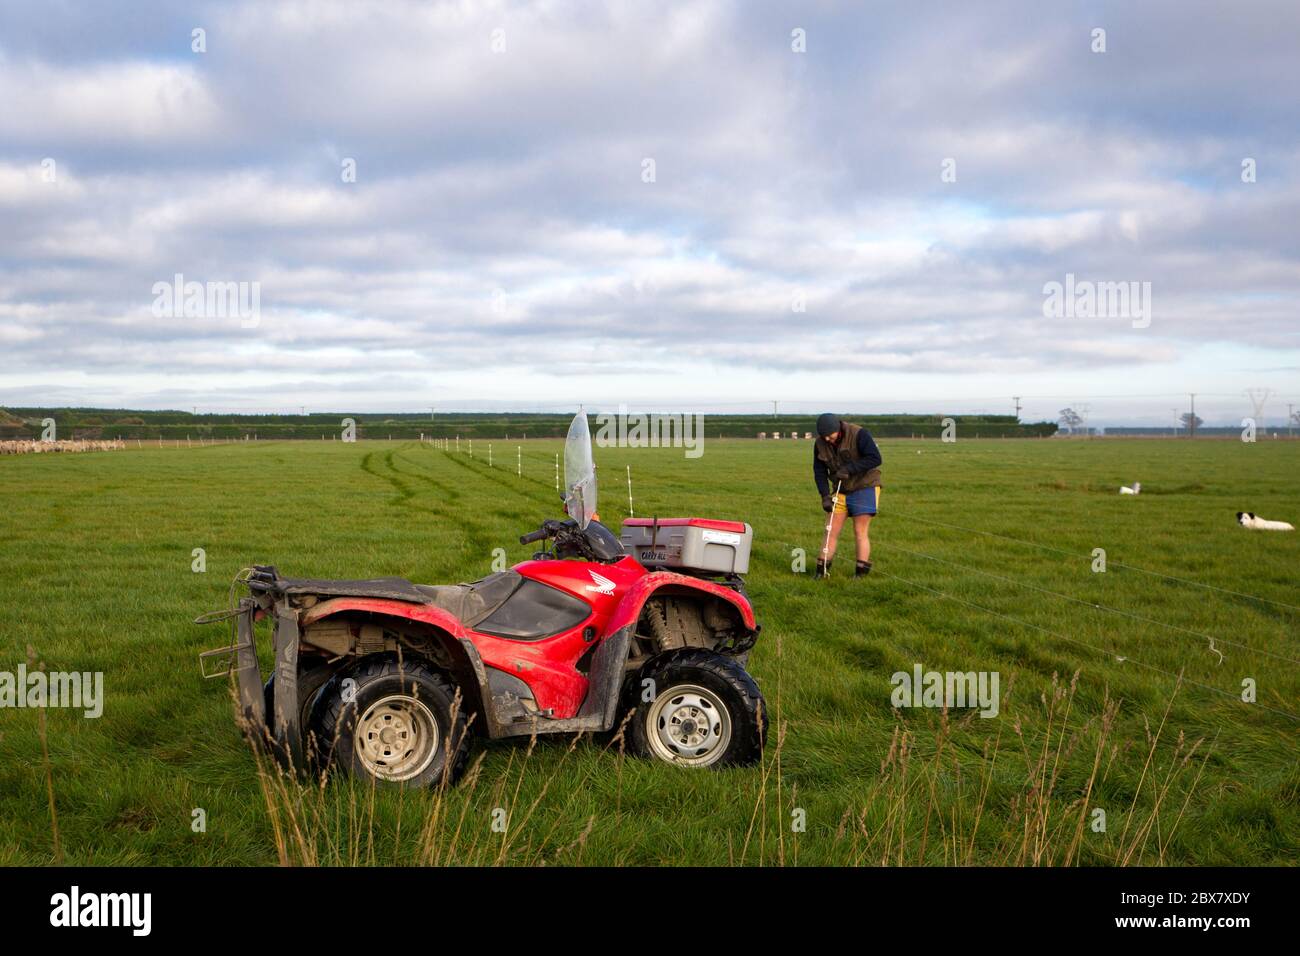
(863, 502)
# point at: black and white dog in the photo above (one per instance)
(1248, 519)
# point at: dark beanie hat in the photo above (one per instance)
(827, 424)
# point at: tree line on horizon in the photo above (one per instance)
(108, 423)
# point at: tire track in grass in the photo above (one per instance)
(449, 492)
(438, 498)
(459, 518)
(458, 515)
(404, 493)
(486, 472)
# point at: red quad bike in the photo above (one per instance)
(392, 679)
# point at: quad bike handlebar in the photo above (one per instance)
(549, 529)
(593, 543)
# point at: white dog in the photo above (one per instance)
(1135, 490)
(1248, 519)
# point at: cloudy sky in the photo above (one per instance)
(711, 205)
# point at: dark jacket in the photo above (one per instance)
(855, 453)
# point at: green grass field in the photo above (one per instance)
(95, 574)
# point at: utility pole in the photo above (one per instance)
(1290, 418)
(774, 409)
(1017, 398)
(1258, 399)
(1191, 422)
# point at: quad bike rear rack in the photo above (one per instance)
(279, 732)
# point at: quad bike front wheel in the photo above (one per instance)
(703, 710)
(398, 725)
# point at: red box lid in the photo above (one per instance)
(711, 523)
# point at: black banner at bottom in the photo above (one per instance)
(363, 905)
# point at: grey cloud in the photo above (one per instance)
(499, 221)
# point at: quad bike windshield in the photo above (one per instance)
(579, 472)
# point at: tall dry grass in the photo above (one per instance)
(328, 818)
(1046, 820)
(1021, 806)
(34, 663)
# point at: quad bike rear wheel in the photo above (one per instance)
(704, 710)
(311, 678)
(401, 726)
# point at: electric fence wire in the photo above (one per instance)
(1067, 597)
(1073, 640)
(1075, 554)
(1211, 639)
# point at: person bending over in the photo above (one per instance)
(845, 457)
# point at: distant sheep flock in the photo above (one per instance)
(27, 447)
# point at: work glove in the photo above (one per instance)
(827, 503)
(843, 475)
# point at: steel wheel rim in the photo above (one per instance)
(397, 738)
(689, 725)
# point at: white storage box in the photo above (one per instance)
(699, 544)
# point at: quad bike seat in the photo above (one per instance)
(538, 611)
(397, 589)
(469, 603)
